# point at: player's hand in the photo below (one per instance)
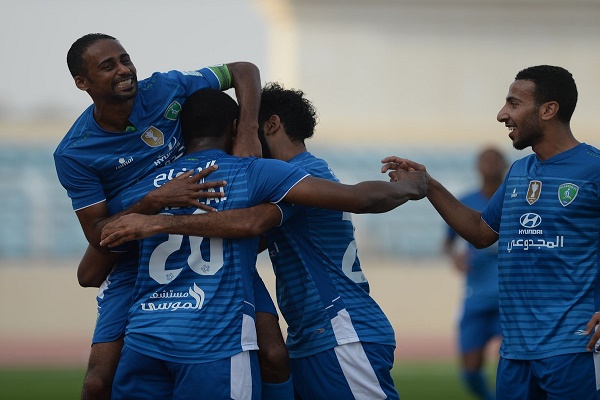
(589, 328)
(393, 163)
(125, 229)
(414, 183)
(246, 142)
(187, 189)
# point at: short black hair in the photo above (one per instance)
(552, 84)
(75, 53)
(295, 112)
(207, 113)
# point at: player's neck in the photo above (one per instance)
(113, 118)
(289, 150)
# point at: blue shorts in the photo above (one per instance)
(354, 370)
(114, 300)
(141, 377)
(477, 328)
(565, 377)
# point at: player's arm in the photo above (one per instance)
(459, 257)
(363, 197)
(464, 220)
(245, 78)
(237, 223)
(94, 267)
(182, 191)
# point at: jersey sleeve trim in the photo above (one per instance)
(285, 194)
(497, 233)
(281, 214)
(222, 74)
(89, 205)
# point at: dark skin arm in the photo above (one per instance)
(464, 220)
(183, 191)
(364, 197)
(96, 265)
(246, 82)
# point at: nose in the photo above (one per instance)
(502, 115)
(123, 69)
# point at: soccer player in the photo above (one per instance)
(340, 342)
(190, 332)
(480, 319)
(131, 129)
(546, 218)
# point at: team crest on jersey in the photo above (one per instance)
(533, 192)
(567, 193)
(153, 137)
(173, 111)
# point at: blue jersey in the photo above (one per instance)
(193, 300)
(94, 164)
(547, 214)
(321, 290)
(481, 285)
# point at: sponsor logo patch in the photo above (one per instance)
(530, 220)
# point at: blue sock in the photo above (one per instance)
(278, 391)
(477, 385)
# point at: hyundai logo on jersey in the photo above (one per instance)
(530, 220)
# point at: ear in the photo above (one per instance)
(81, 83)
(272, 125)
(548, 110)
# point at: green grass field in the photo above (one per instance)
(415, 381)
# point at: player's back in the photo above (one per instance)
(193, 300)
(321, 290)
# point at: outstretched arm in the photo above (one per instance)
(363, 197)
(464, 220)
(246, 82)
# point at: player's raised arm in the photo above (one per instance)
(246, 82)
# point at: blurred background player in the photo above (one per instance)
(479, 320)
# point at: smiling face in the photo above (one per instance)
(520, 115)
(110, 74)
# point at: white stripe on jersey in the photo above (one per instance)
(343, 328)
